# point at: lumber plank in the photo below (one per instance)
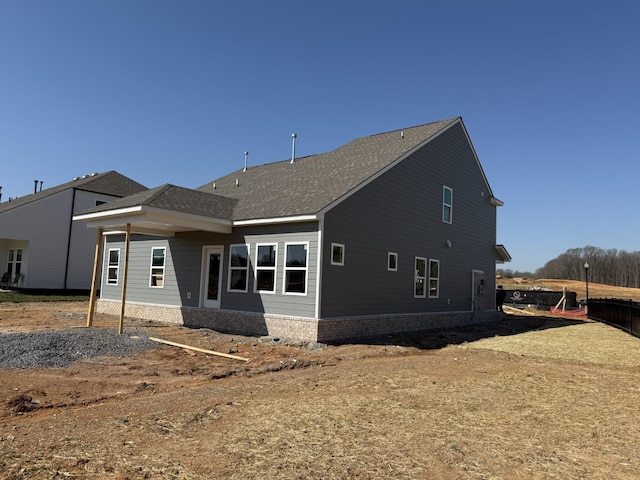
(203, 350)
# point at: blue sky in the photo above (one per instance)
(176, 91)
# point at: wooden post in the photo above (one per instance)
(124, 279)
(94, 279)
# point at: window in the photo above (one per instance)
(420, 277)
(392, 262)
(238, 268)
(157, 267)
(113, 266)
(14, 262)
(434, 278)
(447, 204)
(337, 254)
(295, 270)
(266, 268)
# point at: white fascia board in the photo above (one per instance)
(108, 213)
(266, 221)
(154, 220)
(496, 203)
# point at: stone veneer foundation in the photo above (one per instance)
(294, 328)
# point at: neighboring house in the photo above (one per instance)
(390, 232)
(41, 246)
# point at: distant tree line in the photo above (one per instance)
(610, 267)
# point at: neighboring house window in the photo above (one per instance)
(392, 262)
(447, 204)
(14, 263)
(420, 278)
(113, 266)
(295, 269)
(266, 268)
(239, 268)
(157, 266)
(337, 254)
(434, 278)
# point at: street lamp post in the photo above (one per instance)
(586, 280)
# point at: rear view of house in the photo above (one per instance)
(41, 247)
(390, 232)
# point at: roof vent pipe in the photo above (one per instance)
(41, 182)
(237, 182)
(35, 186)
(293, 147)
(214, 185)
(246, 155)
(0, 193)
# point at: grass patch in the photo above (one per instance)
(19, 297)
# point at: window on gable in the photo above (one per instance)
(113, 266)
(295, 269)
(392, 262)
(266, 256)
(420, 278)
(447, 204)
(238, 268)
(337, 254)
(157, 267)
(434, 278)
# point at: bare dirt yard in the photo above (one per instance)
(529, 397)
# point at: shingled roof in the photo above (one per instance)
(310, 184)
(108, 183)
(176, 199)
(284, 189)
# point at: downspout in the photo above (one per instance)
(66, 268)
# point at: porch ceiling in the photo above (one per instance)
(153, 221)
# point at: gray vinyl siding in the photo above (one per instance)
(401, 212)
(183, 267)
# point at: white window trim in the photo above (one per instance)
(274, 269)
(164, 264)
(246, 269)
(437, 279)
(445, 205)
(340, 246)
(389, 255)
(109, 267)
(416, 278)
(305, 268)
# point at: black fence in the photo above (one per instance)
(540, 299)
(621, 313)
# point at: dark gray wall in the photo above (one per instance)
(401, 211)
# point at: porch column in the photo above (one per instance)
(94, 279)
(124, 280)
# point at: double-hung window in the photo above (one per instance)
(14, 263)
(295, 269)
(266, 256)
(239, 268)
(420, 277)
(157, 267)
(434, 278)
(447, 204)
(113, 266)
